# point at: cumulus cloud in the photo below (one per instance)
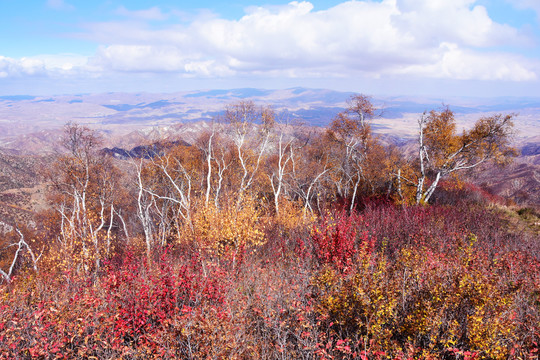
(455, 63)
(434, 38)
(43, 65)
(460, 21)
(18, 67)
(429, 38)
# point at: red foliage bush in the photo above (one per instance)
(338, 238)
(389, 282)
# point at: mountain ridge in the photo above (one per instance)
(27, 122)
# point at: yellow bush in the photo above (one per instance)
(291, 216)
(229, 228)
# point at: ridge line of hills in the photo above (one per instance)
(26, 119)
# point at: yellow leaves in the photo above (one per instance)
(353, 121)
(230, 228)
(440, 133)
(435, 300)
(461, 299)
(365, 301)
(291, 216)
(74, 252)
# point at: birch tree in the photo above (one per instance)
(84, 182)
(351, 131)
(250, 129)
(280, 164)
(22, 247)
(443, 151)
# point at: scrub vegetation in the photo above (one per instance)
(268, 240)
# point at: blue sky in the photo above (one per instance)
(385, 47)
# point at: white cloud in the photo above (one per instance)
(435, 21)
(18, 67)
(455, 63)
(428, 38)
(42, 65)
(142, 58)
(367, 37)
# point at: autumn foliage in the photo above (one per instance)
(258, 242)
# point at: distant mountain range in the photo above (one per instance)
(26, 122)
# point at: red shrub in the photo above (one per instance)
(338, 238)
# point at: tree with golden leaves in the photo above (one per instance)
(85, 184)
(442, 151)
(357, 152)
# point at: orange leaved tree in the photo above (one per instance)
(443, 151)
